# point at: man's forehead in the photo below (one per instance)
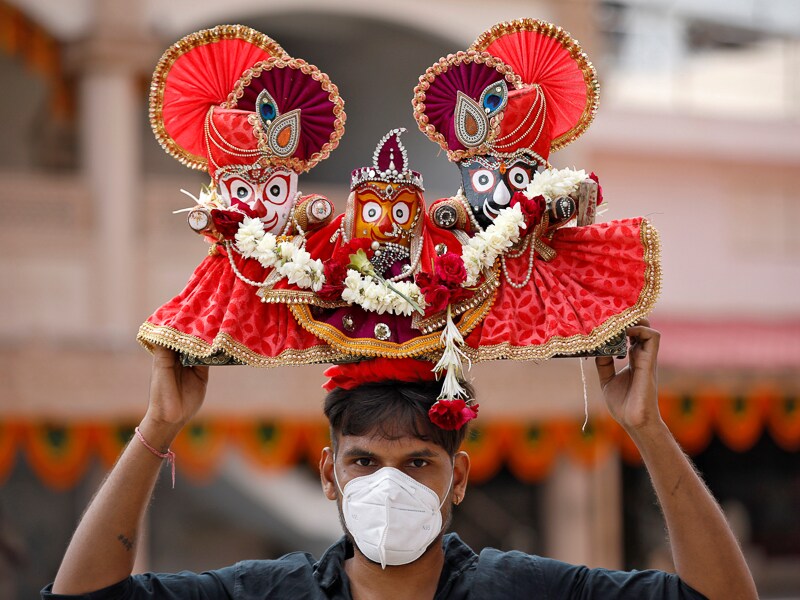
(376, 443)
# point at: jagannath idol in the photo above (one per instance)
(379, 259)
(521, 91)
(231, 101)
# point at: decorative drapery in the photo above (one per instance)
(60, 453)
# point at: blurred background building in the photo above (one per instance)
(699, 129)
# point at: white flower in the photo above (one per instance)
(352, 287)
(250, 232)
(286, 251)
(317, 274)
(265, 251)
(373, 299)
(554, 183)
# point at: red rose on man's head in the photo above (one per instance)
(452, 414)
(226, 222)
(449, 269)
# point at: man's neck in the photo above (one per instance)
(419, 579)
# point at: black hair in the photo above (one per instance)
(392, 410)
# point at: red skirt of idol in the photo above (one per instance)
(217, 311)
(603, 278)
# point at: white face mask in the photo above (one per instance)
(392, 517)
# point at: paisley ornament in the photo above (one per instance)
(283, 134)
(471, 123)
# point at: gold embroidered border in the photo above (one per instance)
(283, 62)
(570, 45)
(284, 296)
(603, 332)
(372, 347)
(169, 337)
(173, 53)
(441, 66)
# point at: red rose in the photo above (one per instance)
(436, 297)
(335, 274)
(424, 279)
(449, 269)
(226, 222)
(532, 208)
(452, 414)
(594, 178)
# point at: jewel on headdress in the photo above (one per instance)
(266, 107)
(494, 98)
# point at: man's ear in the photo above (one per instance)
(326, 474)
(460, 476)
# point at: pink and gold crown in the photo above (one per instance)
(389, 164)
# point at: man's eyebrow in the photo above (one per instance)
(423, 453)
(356, 451)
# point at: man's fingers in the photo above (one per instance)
(605, 369)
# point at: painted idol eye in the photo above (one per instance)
(518, 178)
(401, 213)
(277, 190)
(370, 212)
(482, 180)
(241, 190)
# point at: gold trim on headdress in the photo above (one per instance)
(178, 49)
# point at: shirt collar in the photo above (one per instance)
(458, 558)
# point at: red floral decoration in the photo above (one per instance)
(532, 208)
(443, 286)
(335, 274)
(452, 414)
(594, 178)
(335, 268)
(226, 222)
(342, 254)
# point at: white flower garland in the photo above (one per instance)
(485, 246)
(554, 183)
(376, 296)
(288, 258)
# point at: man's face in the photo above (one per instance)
(384, 212)
(426, 462)
(263, 193)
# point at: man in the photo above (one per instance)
(384, 450)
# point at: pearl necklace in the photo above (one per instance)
(531, 258)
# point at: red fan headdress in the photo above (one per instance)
(523, 88)
(231, 97)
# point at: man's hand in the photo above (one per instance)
(631, 393)
(176, 394)
(102, 551)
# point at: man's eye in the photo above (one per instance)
(419, 463)
(363, 462)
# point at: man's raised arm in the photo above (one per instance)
(706, 554)
(103, 548)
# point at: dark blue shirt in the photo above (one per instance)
(492, 574)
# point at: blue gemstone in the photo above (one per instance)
(267, 111)
(492, 101)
